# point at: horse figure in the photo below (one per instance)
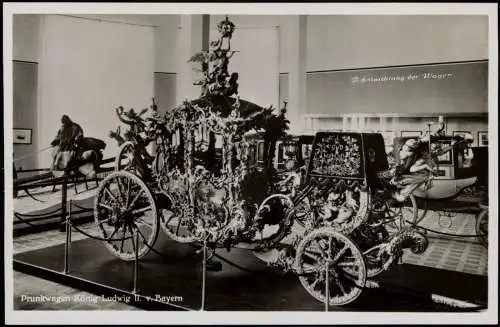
(84, 159)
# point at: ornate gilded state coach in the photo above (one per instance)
(214, 183)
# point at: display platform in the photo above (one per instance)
(177, 273)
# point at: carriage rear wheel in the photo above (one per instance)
(482, 227)
(325, 249)
(124, 207)
(174, 220)
(125, 158)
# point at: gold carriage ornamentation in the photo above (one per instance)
(213, 181)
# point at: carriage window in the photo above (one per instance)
(177, 154)
(207, 149)
(281, 158)
(464, 158)
(306, 151)
(260, 151)
(252, 155)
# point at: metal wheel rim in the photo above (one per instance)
(138, 193)
(355, 269)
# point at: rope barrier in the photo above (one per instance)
(24, 221)
(38, 215)
(82, 208)
(99, 238)
(443, 233)
(162, 255)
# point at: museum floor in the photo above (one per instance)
(445, 253)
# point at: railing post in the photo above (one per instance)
(136, 259)
(64, 196)
(204, 275)
(327, 286)
(68, 239)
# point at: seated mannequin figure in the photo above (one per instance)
(66, 143)
(412, 171)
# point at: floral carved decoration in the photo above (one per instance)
(337, 155)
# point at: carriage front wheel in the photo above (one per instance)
(325, 249)
(124, 209)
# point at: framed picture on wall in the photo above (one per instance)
(482, 138)
(22, 135)
(411, 133)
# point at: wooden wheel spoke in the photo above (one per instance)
(127, 199)
(341, 287)
(122, 197)
(309, 269)
(347, 264)
(340, 253)
(111, 195)
(104, 221)
(313, 285)
(349, 276)
(143, 238)
(178, 226)
(311, 254)
(141, 210)
(323, 250)
(136, 198)
(143, 222)
(119, 188)
(112, 234)
(105, 206)
(330, 240)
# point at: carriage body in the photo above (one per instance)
(347, 156)
(455, 169)
(342, 191)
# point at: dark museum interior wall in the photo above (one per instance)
(25, 86)
(25, 116)
(143, 62)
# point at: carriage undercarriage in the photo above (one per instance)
(346, 254)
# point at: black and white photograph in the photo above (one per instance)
(251, 163)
